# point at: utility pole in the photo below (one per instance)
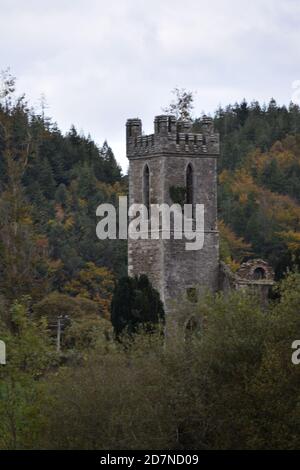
(62, 321)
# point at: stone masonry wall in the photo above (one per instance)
(170, 267)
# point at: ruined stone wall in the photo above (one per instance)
(245, 278)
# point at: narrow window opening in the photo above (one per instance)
(189, 185)
(146, 188)
(192, 295)
(192, 328)
(259, 273)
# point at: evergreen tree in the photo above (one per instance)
(135, 304)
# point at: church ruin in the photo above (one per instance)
(172, 163)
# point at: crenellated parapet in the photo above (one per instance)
(170, 137)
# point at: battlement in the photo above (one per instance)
(171, 136)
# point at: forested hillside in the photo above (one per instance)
(69, 383)
(259, 183)
(50, 187)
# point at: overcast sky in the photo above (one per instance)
(100, 62)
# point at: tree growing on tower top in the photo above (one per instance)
(182, 105)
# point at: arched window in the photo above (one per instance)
(259, 273)
(192, 329)
(190, 185)
(191, 293)
(146, 188)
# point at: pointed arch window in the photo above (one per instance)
(146, 187)
(189, 185)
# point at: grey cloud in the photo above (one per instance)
(99, 62)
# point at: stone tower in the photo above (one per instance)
(174, 158)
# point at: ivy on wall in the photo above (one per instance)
(178, 194)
